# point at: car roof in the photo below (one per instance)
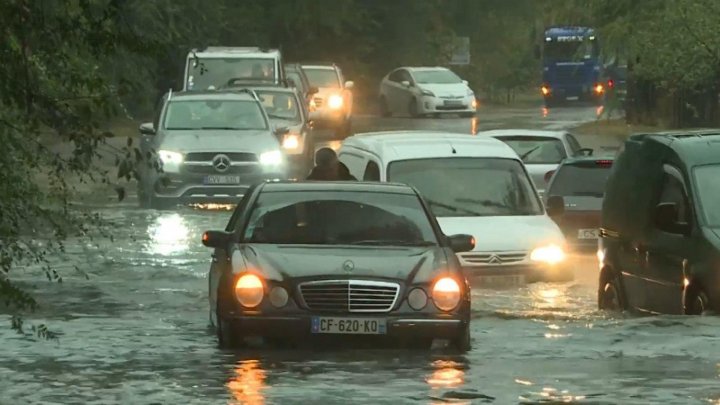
(503, 133)
(212, 95)
(569, 30)
(423, 68)
(230, 52)
(405, 145)
(357, 186)
(695, 147)
(319, 65)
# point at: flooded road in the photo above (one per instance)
(137, 331)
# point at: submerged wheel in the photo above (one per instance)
(610, 295)
(229, 337)
(462, 342)
(695, 300)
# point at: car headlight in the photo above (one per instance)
(170, 157)
(417, 299)
(428, 93)
(272, 158)
(278, 297)
(335, 102)
(249, 290)
(291, 141)
(551, 254)
(446, 294)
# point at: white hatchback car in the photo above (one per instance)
(421, 91)
(474, 185)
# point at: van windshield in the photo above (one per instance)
(215, 73)
(707, 179)
(469, 187)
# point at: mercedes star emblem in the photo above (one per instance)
(221, 163)
(349, 266)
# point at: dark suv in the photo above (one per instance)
(574, 199)
(660, 236)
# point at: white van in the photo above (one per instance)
(216, 67)
(473, 185)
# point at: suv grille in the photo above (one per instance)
(209, 156)
(494, 258)
(350, 295)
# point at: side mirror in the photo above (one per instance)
(312, 90)
(555, 206)
(216, 239)
(147, 128)
(585, 152)
(349, 84)
(405, 83)
(465, 82)
(461, 243)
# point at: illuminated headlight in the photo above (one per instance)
(272, 158)
(278, 297)
(291, 141)
(550, 254)
(335, 102)
(170, 160)
(249, 290)
(417, 299)
(446, 294)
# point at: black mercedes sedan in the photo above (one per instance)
(310, 261)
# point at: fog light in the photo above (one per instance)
(417, 299)
(278, 297)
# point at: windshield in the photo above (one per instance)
(570, 50)
(322, 77)
(339, 218)
(707, 179)
(280, 105)
(218, 72)
(536, 149)
(214, 114)
(297, 81)
(436, 77)
(582, 179)
(469, 187)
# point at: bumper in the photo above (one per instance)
(439, 105)
(184, 188)
(327, 116)
(398, 327)
(531, 273)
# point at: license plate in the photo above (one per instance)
(452, 102)
(588, 234)
(510, 280)
(572, 98)
(217, 179)
(348, 326)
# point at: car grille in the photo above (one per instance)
(209, 156)
(493, 258)
(249, 169)
(318, 101)
(349, 295)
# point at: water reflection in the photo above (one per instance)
(446, 374)
(545, 112)
(474, 125)
(169, 234)
(247, 383)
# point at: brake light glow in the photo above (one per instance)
(604, 163)
(611, 83)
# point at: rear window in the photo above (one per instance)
(581, 179)
(536, 149)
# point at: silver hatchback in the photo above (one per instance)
(207, 147)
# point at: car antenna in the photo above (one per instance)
(452, 148)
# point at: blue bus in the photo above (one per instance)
(572, 69)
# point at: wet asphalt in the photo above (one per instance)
(137, 331)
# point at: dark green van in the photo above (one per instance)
(659, 245)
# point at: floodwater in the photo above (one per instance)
(137, 332)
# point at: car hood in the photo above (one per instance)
(446, 90)
(506, 233)
(220, 140)
(283, 262)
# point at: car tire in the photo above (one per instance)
(413, 108)
(695, 300)
(228, 335)
(611, 296)
(462, 342)
(384, 109)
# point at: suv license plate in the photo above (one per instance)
(588, 234)
(348, 326)
(216, 179)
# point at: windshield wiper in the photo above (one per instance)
(393, 242)
(179, 129)
(223, 128)
(484, 203)
(453, 208)
(526, 154)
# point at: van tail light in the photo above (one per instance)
(611, 83)
(549, 175)
(604, 163)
